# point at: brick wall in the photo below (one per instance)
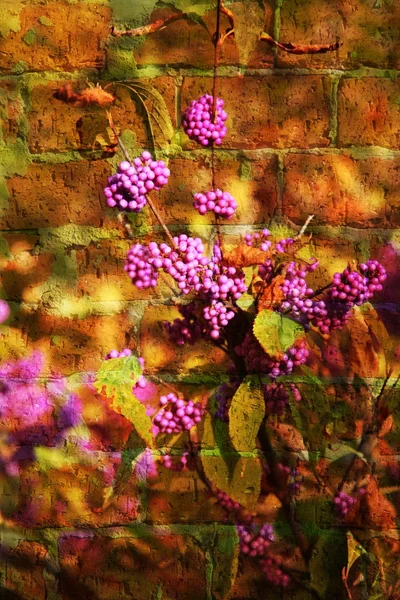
(306, 135)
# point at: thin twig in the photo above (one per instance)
(147, 29)
(300, 48)
(302, 230)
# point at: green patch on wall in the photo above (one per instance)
(14, 160)
(30, 37)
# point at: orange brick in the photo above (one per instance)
(269, 111)
(127, 567)
(369, 112)
(24, 566)
(52, 195)
(340, 190)
(72, 38)
(70, 345)
(186, 43)
(256, 194)
(23, 276)
(12, 111)
(367, 29)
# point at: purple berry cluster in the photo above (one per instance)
(253, 542)
(273, 572)
(187, 330)
(139, 266)
(277, 396)
(283, 245)
(177, 415)
(216, 315)
(178, 464)
(220, 203)
(258, 361)
(226, 501)
(141, 382)
(198, 122)
(128, 187)
(343, 503)
(259, 240)
(298, 295)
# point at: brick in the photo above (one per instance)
(186, 43)
(368, 30)
(50, 195)
(369, 112)
(24, 567)
(389, 256)
(127, 567)
(73, 495)
(269, 111)
(12, 112)
(74, 39)
(256, 194)
(69, 345)
(58, 126)
(175, 497)
(160, 354)
(23, 276)
(341, 190)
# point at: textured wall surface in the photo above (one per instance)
(306, 135)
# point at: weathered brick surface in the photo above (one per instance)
(132, 567)
(57, 35)
(368, 31)
(369, 112)
(251, 182)
(270, 111)
(341, 190)
(187, 43)
(24, 570)
(56, 194)
(58, 126)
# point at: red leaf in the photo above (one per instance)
(90, 95)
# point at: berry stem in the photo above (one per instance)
(149, 201)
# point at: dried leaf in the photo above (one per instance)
(376, 512)
(386, 426)
(90, 95)
(271, 294)
(245, 256)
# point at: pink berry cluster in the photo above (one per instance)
(187, 330)
(259, 240)
(226, 501)
(255, 542)
(274, 573)
(198, 122)
(293, 477)
(277, 396)
(128, 187)
(297, 294)
(343, 503)
(178, 464)
(283, 245)
(141, 383)
(220, 203)
(217, 315)
(4, 311)
(177, 415)
(258, 361)
(139, 266)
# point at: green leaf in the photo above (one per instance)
(246, 413)
(115, 378)
(340, 450)
(199, 7)
(238, 476)
(354, 550)
(275, 332)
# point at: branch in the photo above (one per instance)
(302, 230)
(300, 48)
(147, 29)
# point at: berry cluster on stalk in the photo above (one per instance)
(222, 204)
(128, 187)
(177, 414)
(198, 122)
(277, 396)
(343, 503)
(253, 541)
